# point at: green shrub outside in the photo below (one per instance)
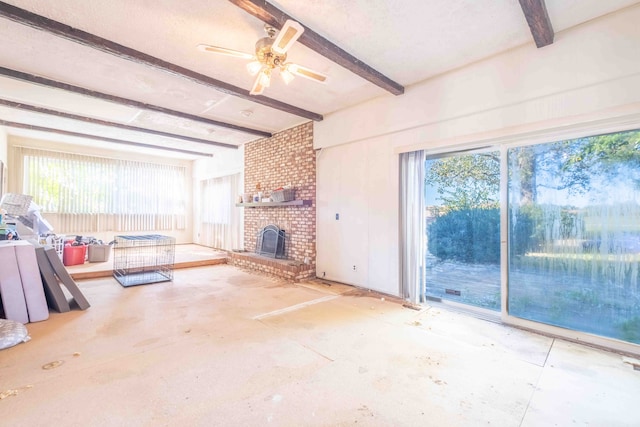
(466, 235)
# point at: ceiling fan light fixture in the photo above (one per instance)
(287, 76)
(254, 67)
(265, 77)
(271, 54)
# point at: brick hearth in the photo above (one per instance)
(285, 268)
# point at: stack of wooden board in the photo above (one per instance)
(31, 280)
(23, 297)
(55, 274)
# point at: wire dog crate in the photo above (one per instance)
(141, 260)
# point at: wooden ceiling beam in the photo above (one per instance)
(18, 75)
(535, 11)
(83, 38)
(91, 120)
(26, 126)
(273, 16)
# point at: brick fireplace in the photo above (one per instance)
(287, 158)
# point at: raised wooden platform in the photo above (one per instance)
(187, 256)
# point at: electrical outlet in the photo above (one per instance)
(354, 268)
(324, 274)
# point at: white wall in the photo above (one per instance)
(3, 157)
(355, 182)
(3, 145)
(587, 82)
(223, 163)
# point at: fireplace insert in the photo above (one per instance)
(270, 242)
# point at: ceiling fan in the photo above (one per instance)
(271, 54)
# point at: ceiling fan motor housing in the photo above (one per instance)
(267, 56)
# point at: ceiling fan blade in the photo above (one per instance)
(287, 36)
(225, 51)
(307, 73)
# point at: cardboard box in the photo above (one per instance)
(99, 253)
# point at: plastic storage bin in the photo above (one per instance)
(99, 253)
(74, 255)
(57, 242)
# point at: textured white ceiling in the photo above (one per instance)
(406, 40)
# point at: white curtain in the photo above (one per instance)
(220, 219)
(412, 223)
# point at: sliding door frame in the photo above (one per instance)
(503, 144)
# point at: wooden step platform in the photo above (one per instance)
(187, 256)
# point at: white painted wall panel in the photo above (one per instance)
(354, 217)
(382, 180)
(359, 182)
(328, 199)
(344, 193)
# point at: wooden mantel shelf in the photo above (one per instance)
(274, 204)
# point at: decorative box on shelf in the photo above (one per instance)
(284, 195)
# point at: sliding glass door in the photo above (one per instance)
(569, 212)
(463, 228)
(574, 234)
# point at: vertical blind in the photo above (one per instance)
(220, 219)
(81, 193)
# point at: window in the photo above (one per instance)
(574, 234)
(569, 211)
(462, 192)
(92, 194)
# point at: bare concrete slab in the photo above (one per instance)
(202, 351)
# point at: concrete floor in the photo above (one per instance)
(220, 346)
